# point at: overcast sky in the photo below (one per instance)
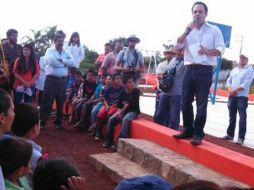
(154, 21)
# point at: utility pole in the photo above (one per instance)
(241, 47)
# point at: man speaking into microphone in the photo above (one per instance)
(202, 43)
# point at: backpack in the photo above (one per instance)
(166, 83)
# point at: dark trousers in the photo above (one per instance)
(168, 111)
(240, 104)
(54, 89)
(197, 82)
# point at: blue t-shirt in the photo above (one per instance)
(70, 82)
(111, 94)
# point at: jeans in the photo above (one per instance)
(240, 104)
(126, 122)
(168, 111)
(197, 82)
(95, 111)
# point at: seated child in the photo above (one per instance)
(73, 91)
(57, 174)
(79, 107)
(15, 160)
(110, 100)
(26, 125)
(127, 110)
(98, 106)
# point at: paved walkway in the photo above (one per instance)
(217, 117)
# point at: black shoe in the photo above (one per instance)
(196, 141)
(182, 136)
(228, 138)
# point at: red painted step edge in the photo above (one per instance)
(225, 161)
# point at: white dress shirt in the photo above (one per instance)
(53, 66)
(241, 77)
(209, 36)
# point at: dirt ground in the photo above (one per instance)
(75, 146)
(70, 144)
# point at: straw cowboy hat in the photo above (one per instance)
(170, 49)
(133, 38)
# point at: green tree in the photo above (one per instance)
(90, 57)
(42, 39)
(226, 64)
(119, 39)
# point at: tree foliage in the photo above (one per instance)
(42, 38)
(226, 64)
(120, 39)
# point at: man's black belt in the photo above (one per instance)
(199, 66)
(56, 77)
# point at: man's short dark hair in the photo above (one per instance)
(51, 174)
(26, 117)
(200, 3)
(15, 153)
(5, 101)
(91, 71)
(10, 32)
(109, 45)
(115, 75)
(126, 78)
(59, 34)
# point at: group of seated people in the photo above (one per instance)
(112, 100)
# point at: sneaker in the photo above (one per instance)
(114, 147)
(92, 128)
(92, 133)
(227, 138)
(97, 138)
(239, 141)
(77, 124)
(106, 144)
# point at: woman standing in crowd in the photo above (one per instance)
(26, 71)
(76, 49)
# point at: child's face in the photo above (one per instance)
(90, 77)
(118, 80)
(24, 170)
(7, 120)
(79, 78)
(130, 84)
(103, 80)
(71, 72)
(108, 81)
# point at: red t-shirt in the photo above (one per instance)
(27, 76)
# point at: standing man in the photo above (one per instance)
(108, 64)
(202, 43)
(169, 107)
(238, 85)
(56, 70)
(12, 51)
(130, 61)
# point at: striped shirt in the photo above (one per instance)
(11, 53)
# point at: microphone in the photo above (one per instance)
(188, 30)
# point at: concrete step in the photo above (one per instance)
(116, 166)
(174, 167)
